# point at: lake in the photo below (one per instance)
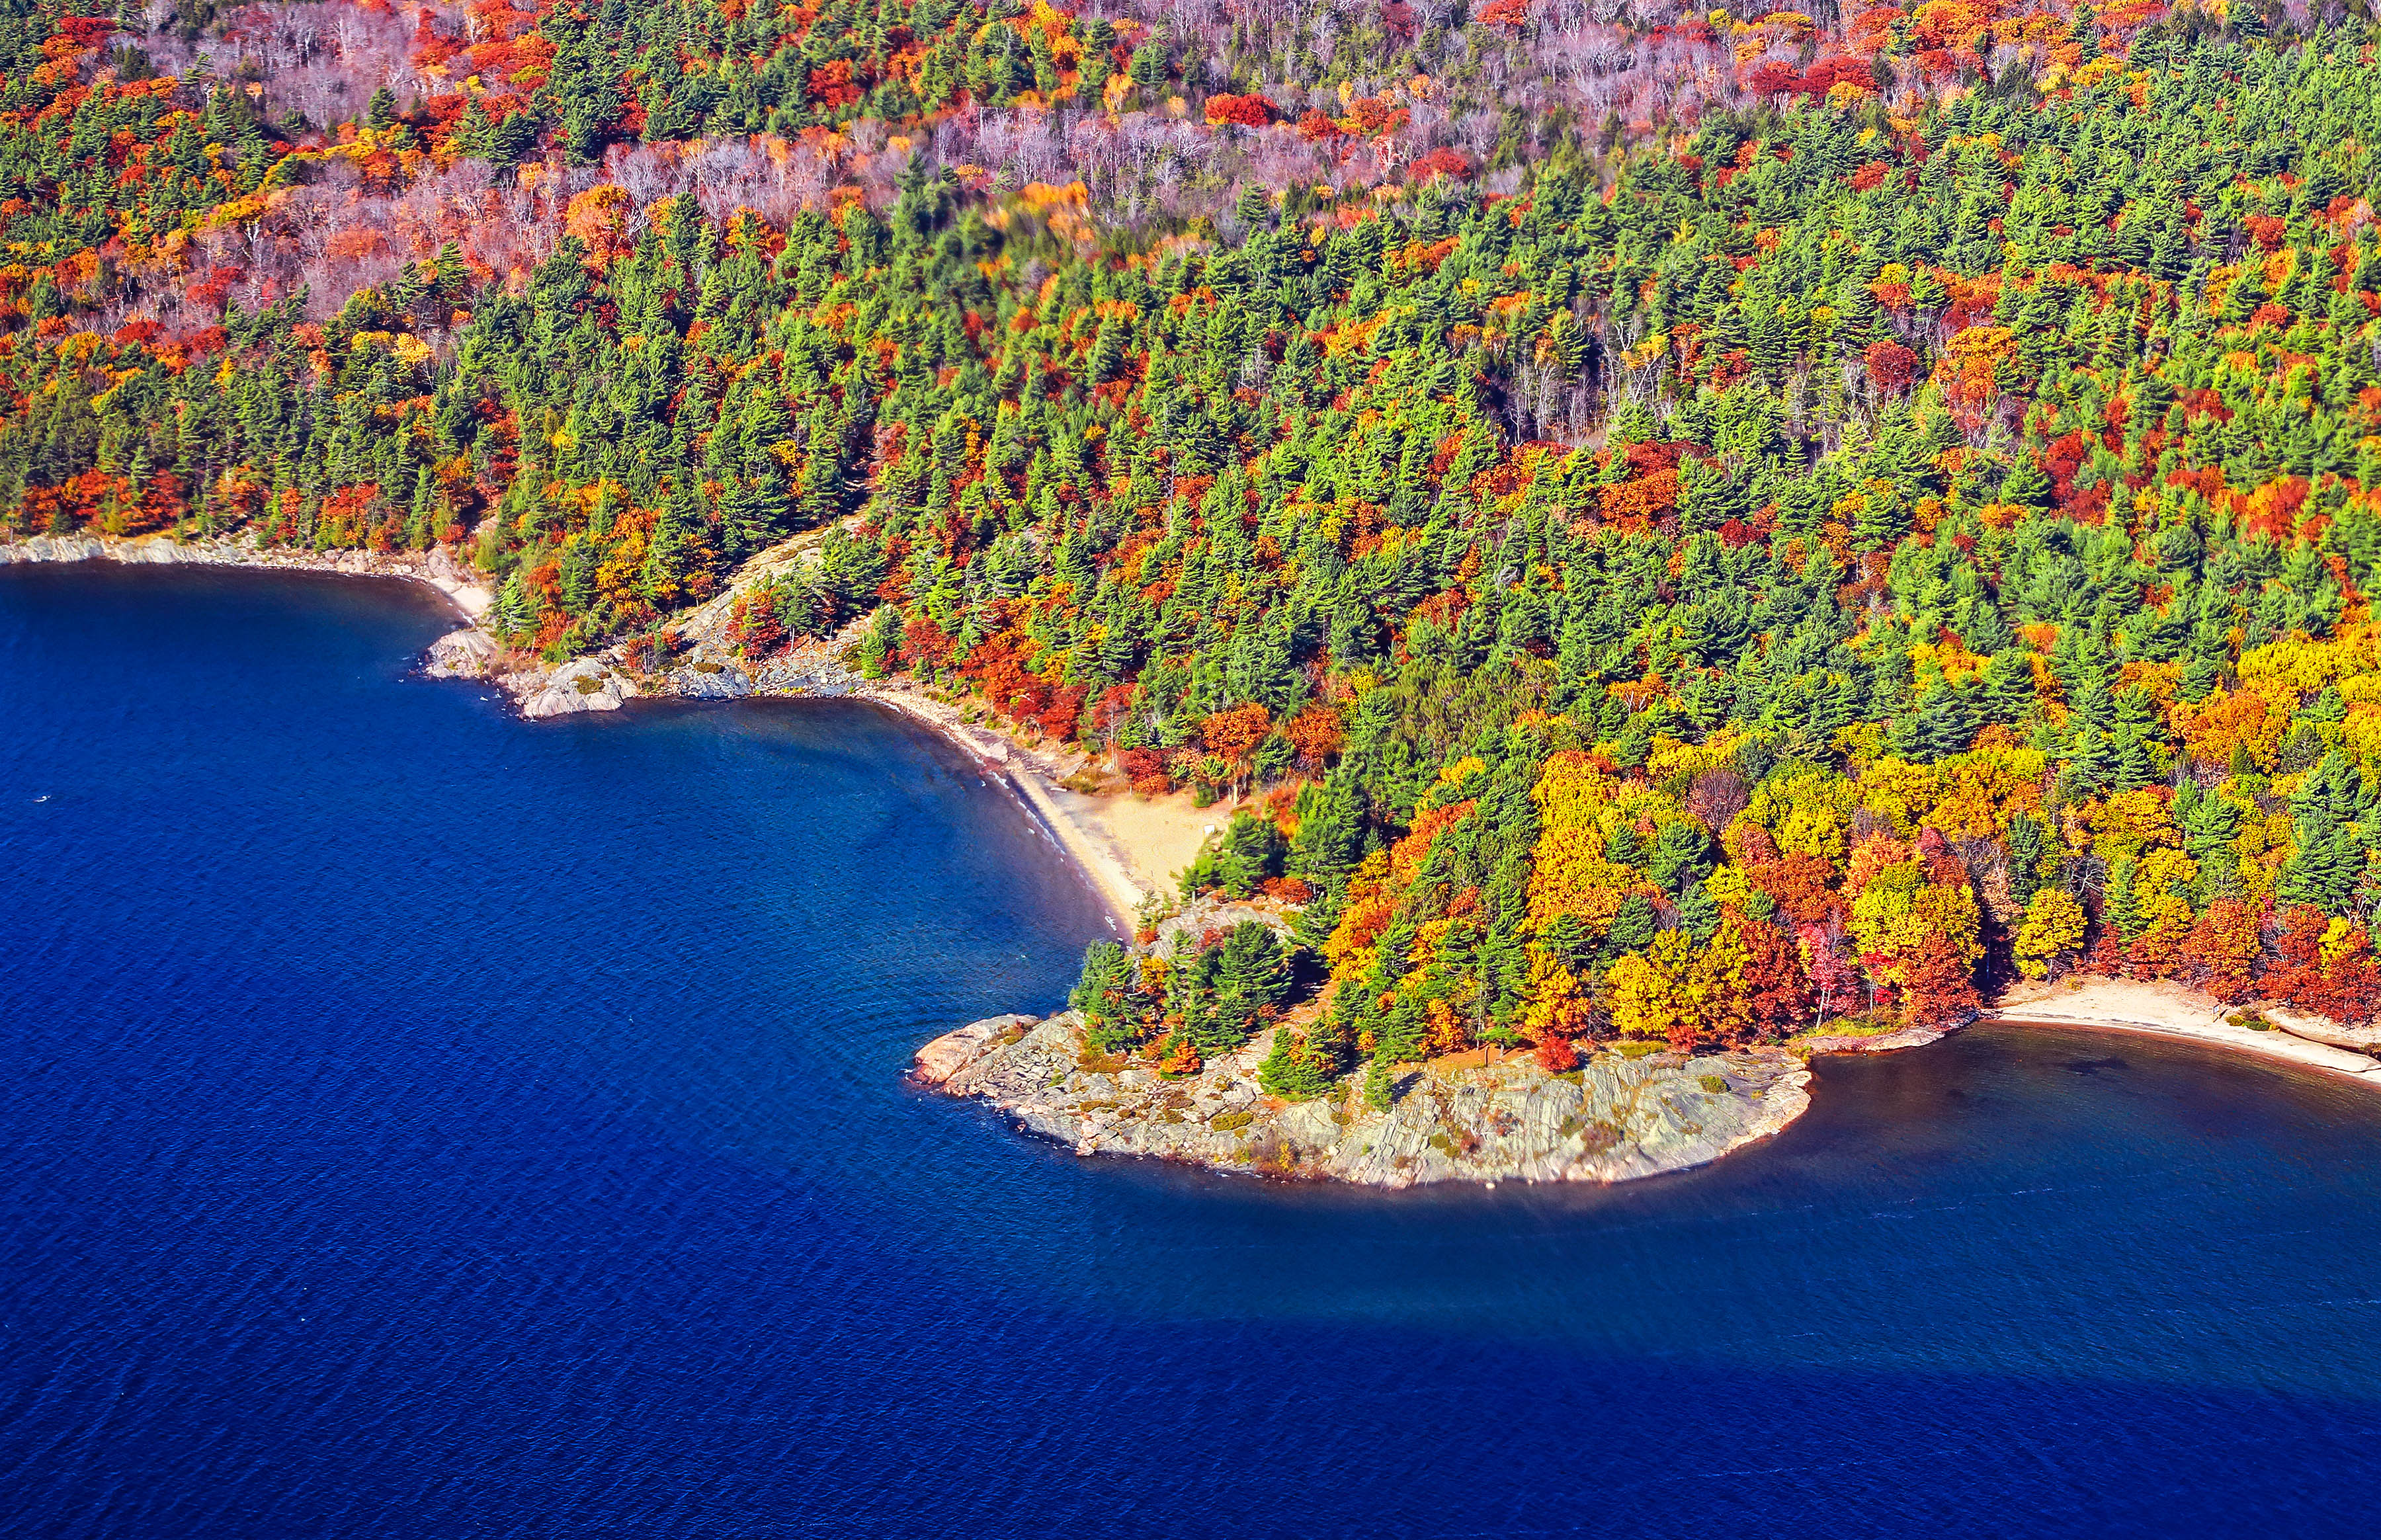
(421, 1123)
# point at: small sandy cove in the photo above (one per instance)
(2168, 1009)
(1129, 846)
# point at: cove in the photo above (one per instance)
(421, 1123)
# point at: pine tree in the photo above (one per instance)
(1296, 1069)
(2027, 485)
(2009, 689)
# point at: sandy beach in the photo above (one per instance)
(1130, 846)
(2165, 1010)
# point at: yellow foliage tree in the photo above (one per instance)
(1649, 990)
(2300, 666)
(1970, 796)
(2053, 925)
(2162, 902)
(1679, 990)
(1553, 1002)
(1900, 908)
(1808, 813)
(2120, 828)
(1569, 873)
(1885, 915)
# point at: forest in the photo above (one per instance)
(1667, 524)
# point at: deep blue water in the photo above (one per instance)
(421, 1124)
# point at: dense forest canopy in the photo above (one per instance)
(1678, 522)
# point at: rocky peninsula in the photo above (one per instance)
(1621, 1114)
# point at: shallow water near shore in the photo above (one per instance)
(421, 1123)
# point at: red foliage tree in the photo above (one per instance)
(2107, 953)
(1233, 735)
(924, 642)
(1835, 979)
(1145, 768)
(1803, 885)
(2221, 950)
(1058, 719)
(1316, 733)
(1555, 1054)
(753, 625)
(2351, 981)
(1438, 163)
(2297, 978)
(1313, 126)
(1826, 74)
(1890, 366)
(1778, 998)
(1247, 112)
(1940, 991)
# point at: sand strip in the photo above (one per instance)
(1111, 875)
(2169, 1011)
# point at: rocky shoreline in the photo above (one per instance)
(470, 651)
(1625, 1113)
(436, 568)
(596, 682)
(1619, 1116)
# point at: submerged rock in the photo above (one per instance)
(1614, 1118)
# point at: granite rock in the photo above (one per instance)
(584, 685)
(1615, 1118)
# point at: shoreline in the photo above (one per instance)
(1112, 874)
(1107, 861)
(1121, 883)
(2169, 1011)
(436, 570)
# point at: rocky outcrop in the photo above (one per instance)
(1614, 1118)
(953, 1051)
(1214, 914)
(54, 548)
(1872, 1042)
(466, 652)
(584, 685)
